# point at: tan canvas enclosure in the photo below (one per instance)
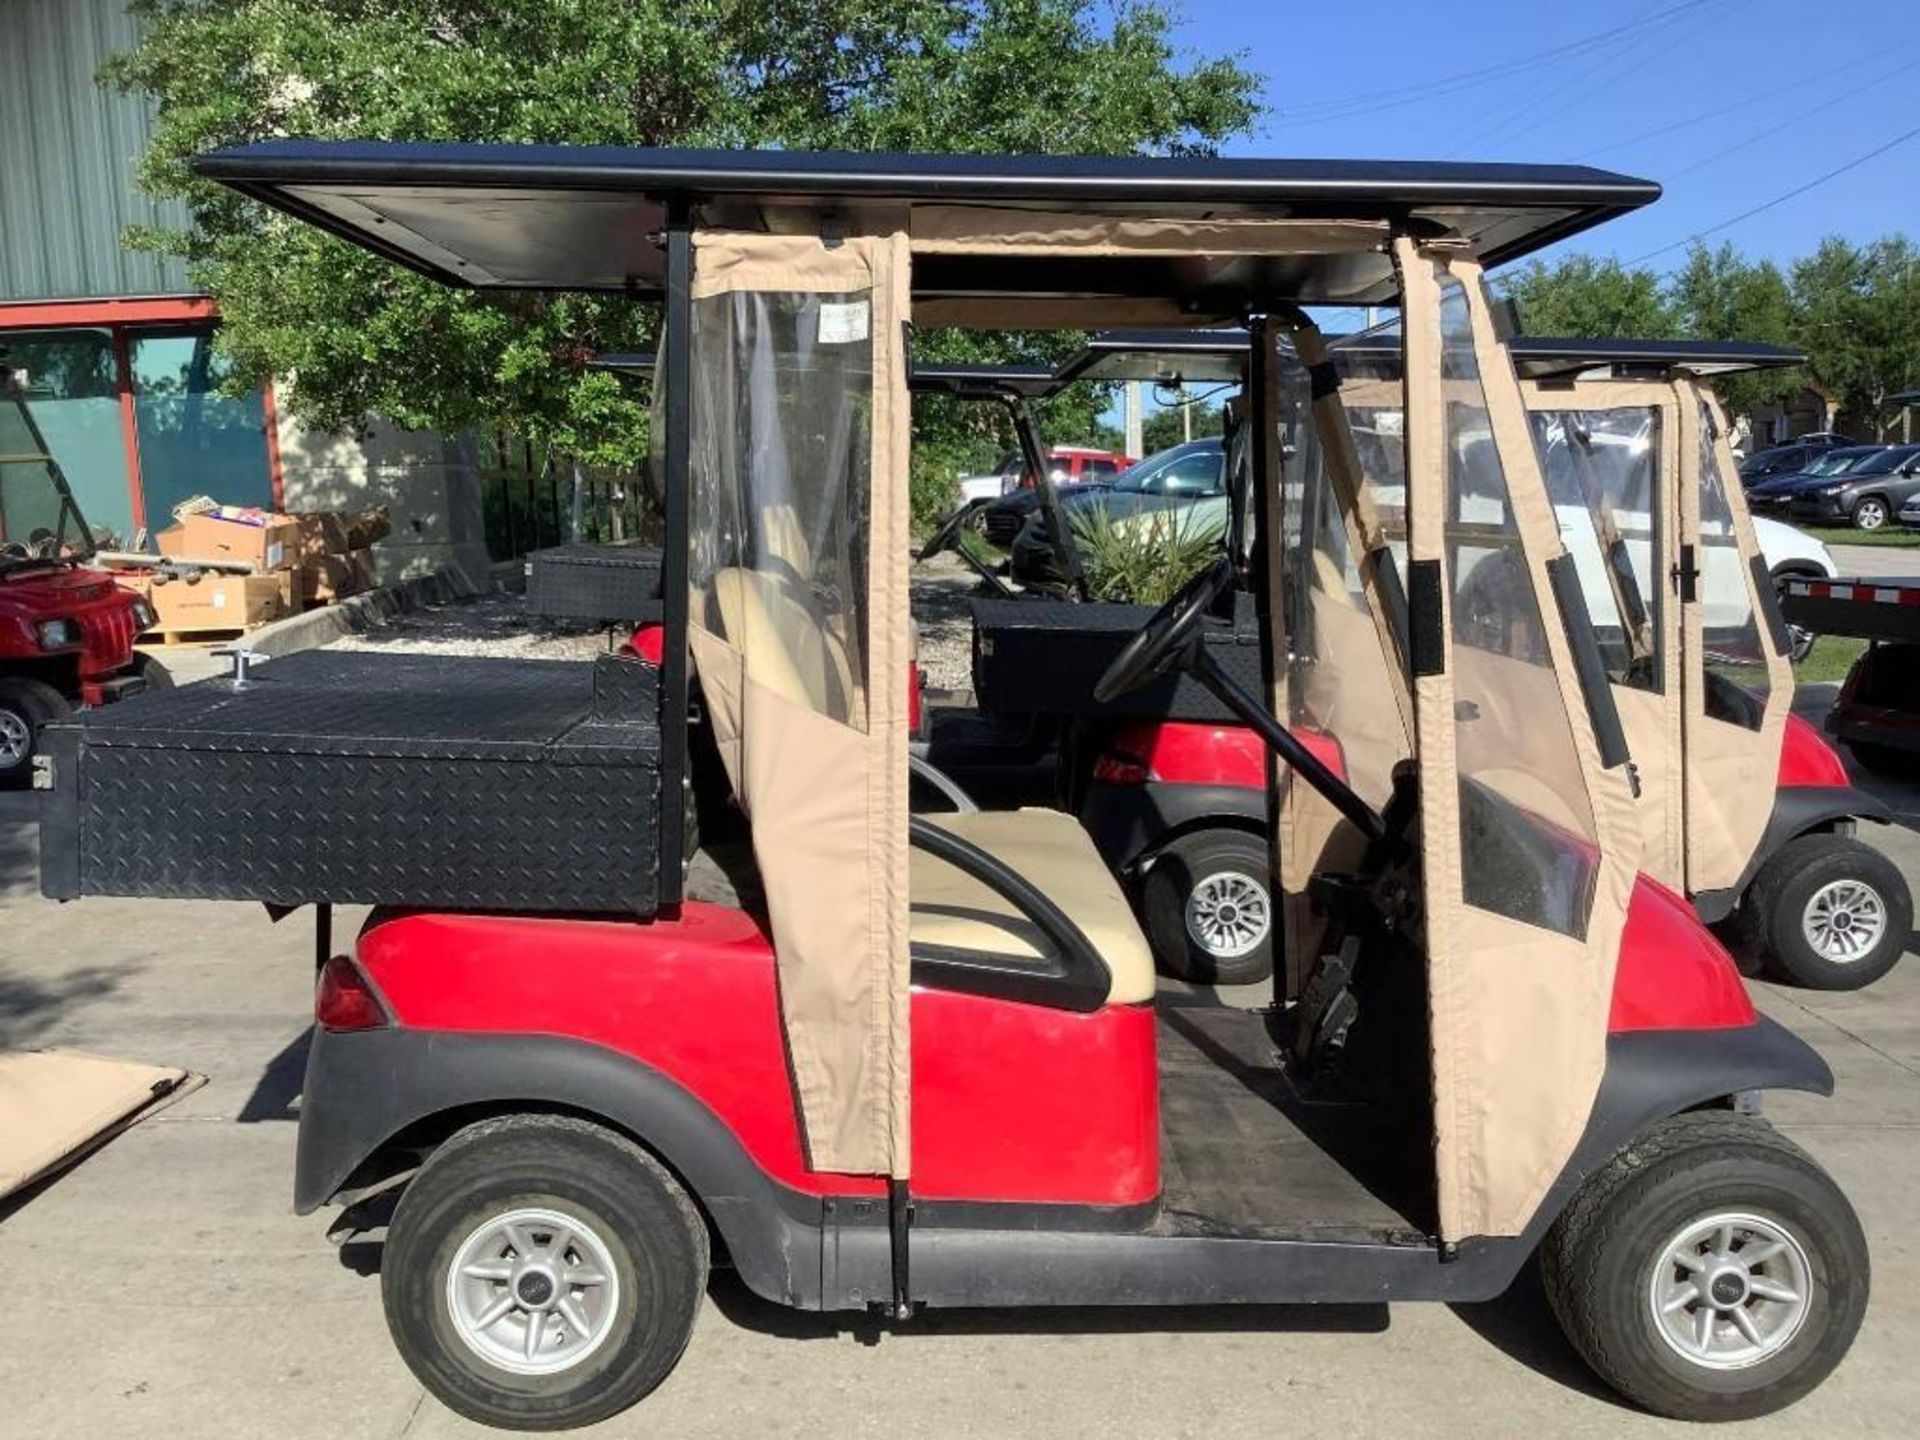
(1638, 469)
(1529, 845)
(798, 625)
(1739, 692)
(56, 1105)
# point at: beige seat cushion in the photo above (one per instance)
(952, 910)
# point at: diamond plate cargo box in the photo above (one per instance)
(373, 779)
(1043, 657)
(606, 584)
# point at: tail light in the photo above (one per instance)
(344, 1000)
(1121, 767)
(916, 700)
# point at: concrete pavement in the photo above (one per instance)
(165, 1288)
(1876, 560)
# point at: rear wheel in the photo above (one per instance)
(151, 671)
(26, 707)
(1209, 911)
(1828, 912)
(542, 1273)
(1710, 1271)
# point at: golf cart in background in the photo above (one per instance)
(935, 1070)
(66, 631)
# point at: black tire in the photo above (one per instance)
(1871, 512)
(1777, 902)
(1600, 1260)
(152, 671)
(26, 706)
(1189, 862)
(655, 1236)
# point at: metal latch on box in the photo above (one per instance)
(43, 772)
(243, 662)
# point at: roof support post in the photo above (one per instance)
(1269, 546)
(676, 343)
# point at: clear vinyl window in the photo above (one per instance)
(1602, 469)
(782, 410)
(1733, 656)
(1529, 848)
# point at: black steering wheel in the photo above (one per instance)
(946, 535)
(1168, 637)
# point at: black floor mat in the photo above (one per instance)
(1246, 1151)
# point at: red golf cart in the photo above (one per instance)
(1768, 852)
(935, 1067)
(66, 632)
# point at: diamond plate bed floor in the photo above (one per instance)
(1243, 1150)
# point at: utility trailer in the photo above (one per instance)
(1877, 714)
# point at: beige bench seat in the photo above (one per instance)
(952, 910)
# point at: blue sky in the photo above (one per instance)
(1789, 90)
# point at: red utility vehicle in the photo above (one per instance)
(934, 1066)
(66, 632)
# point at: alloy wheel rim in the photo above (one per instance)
(1844, 920)
(16, 739)
(1870, 516)
(1730, 1291)
(533, 1291)
(1228, 914)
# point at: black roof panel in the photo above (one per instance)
(585, 217)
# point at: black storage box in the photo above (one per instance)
(1043, 657)
(365, 778)
(606, 584)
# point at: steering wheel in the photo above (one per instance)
(946, 535)
(1174, 629)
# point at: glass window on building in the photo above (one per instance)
(71, 388)
(194, 439)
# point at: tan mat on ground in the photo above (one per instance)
(56, 1105)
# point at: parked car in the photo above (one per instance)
(1193, 474)
(1792, 458)
(1069, 465)
(1778, 491)
(1867, 495)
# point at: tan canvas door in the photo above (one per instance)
(798, 626)
(1609, 453)
(1528, 845)
(1738, 682)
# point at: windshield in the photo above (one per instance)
(1834, 462)
(38, 519)
(1881, 463)
(1196, 468)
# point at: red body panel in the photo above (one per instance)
(648, 642)
(1183, 752)
(104, 612)
(1011, 1102)
(1673, 975)
(1807, 759)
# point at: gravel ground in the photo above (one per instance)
(498, 624)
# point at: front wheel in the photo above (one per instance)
(1870, 513)
(1709, 1271)
(1828, 912)
(542, 1273)
(26, 708)
(1208, 903)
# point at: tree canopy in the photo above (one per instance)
(1854, 310)
(362, 337)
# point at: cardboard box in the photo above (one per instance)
(335, 577)
(368, 527)
(322, 533)
(273, 546)
(221, 602)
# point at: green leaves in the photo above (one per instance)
(357, 336)
(1855, 310)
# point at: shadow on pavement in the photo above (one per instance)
(276, 1093)
(1521, 1326)
(19, 843)
(30, 1008)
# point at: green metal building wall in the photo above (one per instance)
(68, 149)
